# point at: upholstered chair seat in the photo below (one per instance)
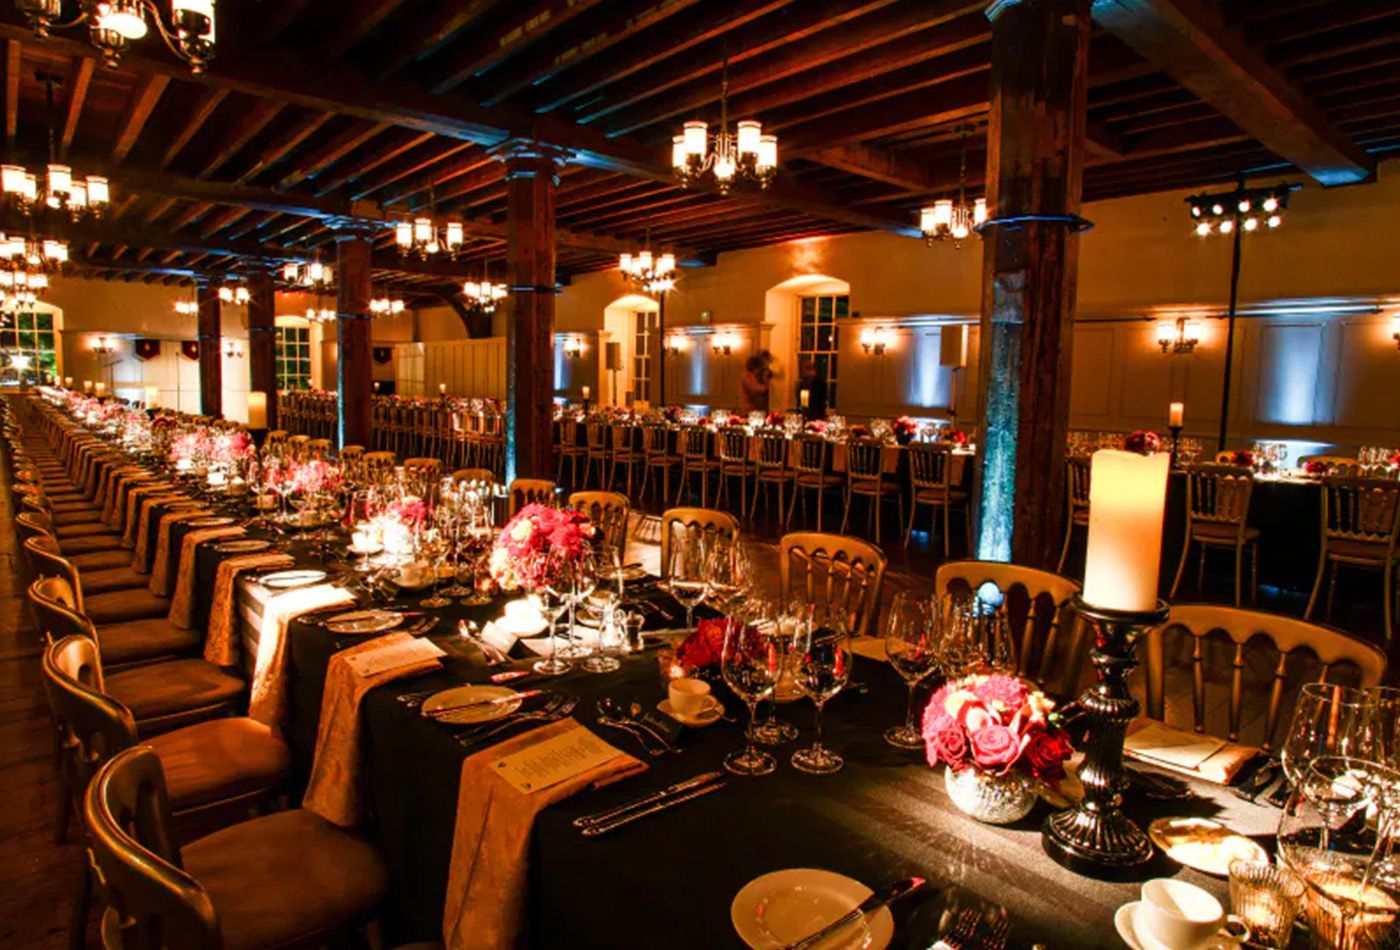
(112, 578)
(116, 606)
(220, 759)
(146, 639)
(101, 560)
(89, 543)
(176, 692)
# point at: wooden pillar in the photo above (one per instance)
(355, 363)
(262, 340)
(531, 178)
(211, 350)
(1035, 164)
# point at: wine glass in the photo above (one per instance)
(911, 643)
(750, 664)
(689, 581)
(1328, 719)
(554, 600)
(726, 573)
(978, 636)
(433, 545)
(782, 623)
(599, 569)
(822, 668)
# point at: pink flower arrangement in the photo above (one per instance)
(704, 648)
(1242, 457)
(314, 476)
(774, 419)
(1143, 442)
(996, 724)
(412, 512)
(189, 446)
(734, 420)
(1395, 459)
(903, 429)
(955, 436)
(1316, 467)
(229, 448)
(538, 543)
(816, 425)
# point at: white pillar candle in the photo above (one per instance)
(1175, 413)
(587, 392)
(1127, 502)
(804, 397)
(68, 382)
(152, 397)
(442, 389)
(257, 409)
(101, 389)
(87, 386)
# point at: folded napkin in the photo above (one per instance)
(177, 504)
(160, 564)
(268, 704)
(491, 839)
(120, 484)
(220, 644)
(182, 602)
(870, 647)
(135, 507)
(333, 791)
(1190, 753)
(114, 477)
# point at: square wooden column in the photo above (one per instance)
(211, 349)
(1035, 165)
(262, 339)
(531, 178)
(354, 369)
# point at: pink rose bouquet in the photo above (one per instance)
(1316, 467)
(904, 429)
(955, 436)
(315, 476)
(411, 512)
(229, 448)
(538, 543)
(1242, 457)
(774, 419)
(996, 724)
(1143, 442)
(1395, 459)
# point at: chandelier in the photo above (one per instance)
(43, 255)
(237, 294)
(114, 24)
(187, 308)
(482, 295)
(655, 275)
(424, 238)
(61, 189)
(386, 306)
(313, 276)
(1243, 208)
(1178, 337)
(745, 153)
(948, 220)
(20, 289)
(320, 314)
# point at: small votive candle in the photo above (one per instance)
(87, 386)
(1176, 412)
(442, 389)
(804, 397)
(1127, 502)
(587, 391)
(101, 389)
(68, 382)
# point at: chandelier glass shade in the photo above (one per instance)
(61, 190)
(654, 274)
(312, 276)
(1247, 209)
(113, 25)
(41, 254)
(424, 238)
(237, 294)
(953, 220)
(386, 306)
(745, 154)
(320, 314)
(484, 295)
(187, 308)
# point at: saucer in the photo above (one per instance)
(710, 714)
(1125, 920)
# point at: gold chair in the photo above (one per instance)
(530, 491)
(135, 641)
(1248, 674)
(422, 474)
(734, 462)
(709, 522)
(318, 448)
(473, 475)
(1077, 498)
(379, 465)
(1360, 528)
(596, 459)
(696, 460)
(930, 483)
(570, 450)
(811, 472)
(286, 879)
(1217, 514)
(1336, 464)
(609, 511)
(108, 554)
(110, 606)
(865, 476)
(625, 452)
(771, 469)
(835, 570)
(657, 455)
(1049, 638)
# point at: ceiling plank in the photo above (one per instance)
(239, 134)
(209, 101)
(13, 56)
(384, 154)
(143, 102)
(79, 76)
(444, 24)
(363, 17)
(328, 154)
(506, 39)
(278, 150)
(1191, 43)
(892, 168)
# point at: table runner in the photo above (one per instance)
(491, 840)
(117, 487)
(182, 602)
(220, 645)
(170, 553)
(121, 507)
(334, 791)
(268, 703)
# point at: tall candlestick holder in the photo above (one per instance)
(1176, 440)
(1095, 837)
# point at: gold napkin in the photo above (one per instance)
(135, 508)
(143, 527)
(491, 839)
(117, 486)
(220, 644)
(182, 602)
(1188, 753)
(268, 703)
(160, 564)
(121, 507)
(333, 792)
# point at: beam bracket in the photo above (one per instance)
(1015, 222)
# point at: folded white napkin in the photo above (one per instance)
(583, 636)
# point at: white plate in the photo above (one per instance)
(780, 908)
(210, 522)
(711, 713)
(461, 695)
(243, 546)
(281, 580)
(1203, 844)
(364, 621)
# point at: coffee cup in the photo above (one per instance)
(1176, 915)
(414, 574)
(689, 696)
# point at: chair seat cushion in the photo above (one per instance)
(105, 541)
(813, 480)
(115, 606)
(113, 578)
(100, 560)
(220, 759)
(871, 486)
(284, 878)
(146, 639)
(88, 527)
(1369, 551)
(663, 459)
(76, 522)
(935, 496)
(74, 507)
(176, 686)
(1210, 531)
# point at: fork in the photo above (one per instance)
(970, 932)
(556, 709)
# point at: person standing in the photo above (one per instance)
(753, 385)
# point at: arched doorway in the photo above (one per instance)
(805, 312)
(631, 321)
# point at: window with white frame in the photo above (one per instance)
(819, 336)
(293, 357)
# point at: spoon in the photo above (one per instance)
(636, 716)
(611, 713)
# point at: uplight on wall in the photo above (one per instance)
(724, 342)
(1180, 337)
(875, 340)
(573, 347)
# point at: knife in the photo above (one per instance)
(603, 827)
(483, 703)
(677, 789)
(882, 897)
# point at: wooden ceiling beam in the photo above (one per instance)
(14, 55)
(283, 146)
(940, 103)
(79, 77)
(1190, 42)
(892, 168)
(310, 166)
(495, 44)
(446, 21)
(439, 175)
(144, 97)
(362, 18)
(209, 100)
(411, 167)
(366, 165)
(239, 134)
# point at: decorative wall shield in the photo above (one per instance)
(190, 348)
(383, 354)
(147, 349)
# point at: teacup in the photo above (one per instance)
(1180, 916)
(415, 574)
(688, 696)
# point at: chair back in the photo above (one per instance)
(608, 510)
(655, 440)
(151, 901)
(835, 570)
(56, 612)
(928, 465)
(1287, 637)
(276, 437)
(473, 475)
(1364, 511)
(624, 438)
(864, 459)
(530, 491)
(695, 443)
(1046, 633)
(709, 522)
(423, 471)
(734, 446)
(378, 465)
(813, 452)
(93, 725)
(300, 446)
(318, 448)
(568, 433)
(772, 451)
(1219, 494)
(596, 433)
(47, 562)
(1077, 482)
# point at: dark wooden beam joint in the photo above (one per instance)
(211, 351)
(355, 364)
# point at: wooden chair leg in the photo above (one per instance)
(845, 517)
(1239, 573)
(1254, 573)
(1331, 591)
(909, 528)
(1201, 571)
(1388, 593)
(1064, 549)
(1181, 565)
(947, 533)
(82, 901)
(1317, 585)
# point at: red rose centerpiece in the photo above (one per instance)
(996, 737)
(537, 544)
(1143, 442)
(904, 429)
(955, 436)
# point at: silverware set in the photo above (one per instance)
(556, 708)
(603, 822)
(612, 714)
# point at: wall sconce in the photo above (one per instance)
(100, 347)
(1180, 337)
(1395, 330)
(233, 349)
(573, 348)
(875, 340)
(235, 295)
(677, 343)
(724, 342)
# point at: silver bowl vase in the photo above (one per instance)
(993, 799)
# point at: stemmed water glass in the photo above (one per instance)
(433, 545)
(782, 623)
(365, 537)
(821, 669)
(689, 580)
(911, 643)
(977, 636)
(751, 664)
(554, 597)
(1328, 720)
(727, 573)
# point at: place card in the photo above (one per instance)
(496, 635)
(393, 656)
(547, 763)
(1175, 747)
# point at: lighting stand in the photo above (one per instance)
(1095, 837)
(1176, 440)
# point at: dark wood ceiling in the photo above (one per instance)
(314, 109)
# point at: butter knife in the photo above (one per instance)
(483, 703)
(882, 897)
(704, 778)
(603, 827)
